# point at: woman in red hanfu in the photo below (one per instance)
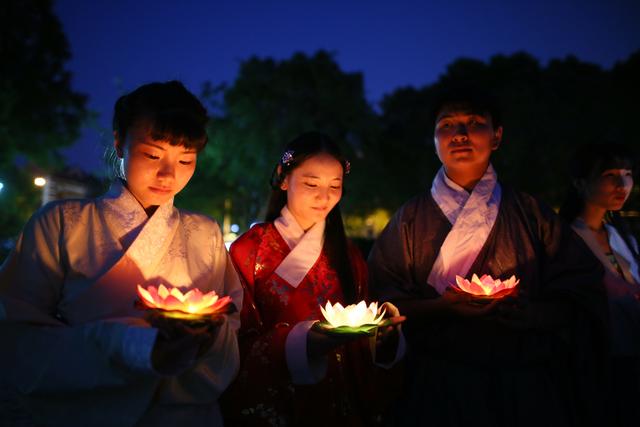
(291, 373)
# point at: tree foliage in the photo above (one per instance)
(270, 103)
(39, 111)
(548, 112)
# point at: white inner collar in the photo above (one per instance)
(305, 247)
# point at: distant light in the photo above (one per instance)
(234, 227)
(1, 186)
(40, 181)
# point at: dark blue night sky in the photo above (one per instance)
(118, 45)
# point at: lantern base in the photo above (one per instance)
(364, 330)
(155, 316)
(190, 319)
(484, 299)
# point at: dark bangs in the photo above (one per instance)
(593, 159)
(468, 99)
(172, 113)
(616, 161)
(178, 128)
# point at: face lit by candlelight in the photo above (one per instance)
(313, 189)
(154, 170)
(611, 189)
(465, 139)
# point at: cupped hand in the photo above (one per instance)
(388, 333)
(179, 344)
(464, 304)
(389, 327)
(321, 344)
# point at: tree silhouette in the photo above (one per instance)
(39, 111)
(270, 103)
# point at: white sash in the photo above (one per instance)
(305, 247)
(621, 251)
(472, 217)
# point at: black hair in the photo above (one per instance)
(172, 113)
(467, 98)
(295, 153)
(587, 165)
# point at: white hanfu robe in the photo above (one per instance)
(75, 351)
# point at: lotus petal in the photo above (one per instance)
(146, 297)
(485, 285)
(154, 293)
(171, 303)
(163, 292)
(353, 315)
(173, 299)
(177, 293)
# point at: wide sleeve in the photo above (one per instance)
(572, 281)
(263, 387)
(32, 276)
(390, 261)
(568, 267)
(40, 353)
(212, 373)
(259, 345)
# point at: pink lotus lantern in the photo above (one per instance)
(191, 305)
(486, 286)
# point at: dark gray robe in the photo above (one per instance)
(477, 371)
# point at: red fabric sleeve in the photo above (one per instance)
(263, 363)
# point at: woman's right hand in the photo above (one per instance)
(178, 345)
(320, 344)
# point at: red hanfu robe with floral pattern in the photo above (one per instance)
(263, 393)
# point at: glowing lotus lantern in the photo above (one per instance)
(352, 319)
(486, 286)
(191, 305)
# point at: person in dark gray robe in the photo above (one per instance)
(536, 357)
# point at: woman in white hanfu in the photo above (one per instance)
(75, 350)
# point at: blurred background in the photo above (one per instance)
(566, 73)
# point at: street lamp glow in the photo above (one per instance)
(1, 186)
(40, 181)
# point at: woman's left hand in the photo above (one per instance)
(388, 333)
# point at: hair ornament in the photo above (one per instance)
(287, 157)
(347, 167)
